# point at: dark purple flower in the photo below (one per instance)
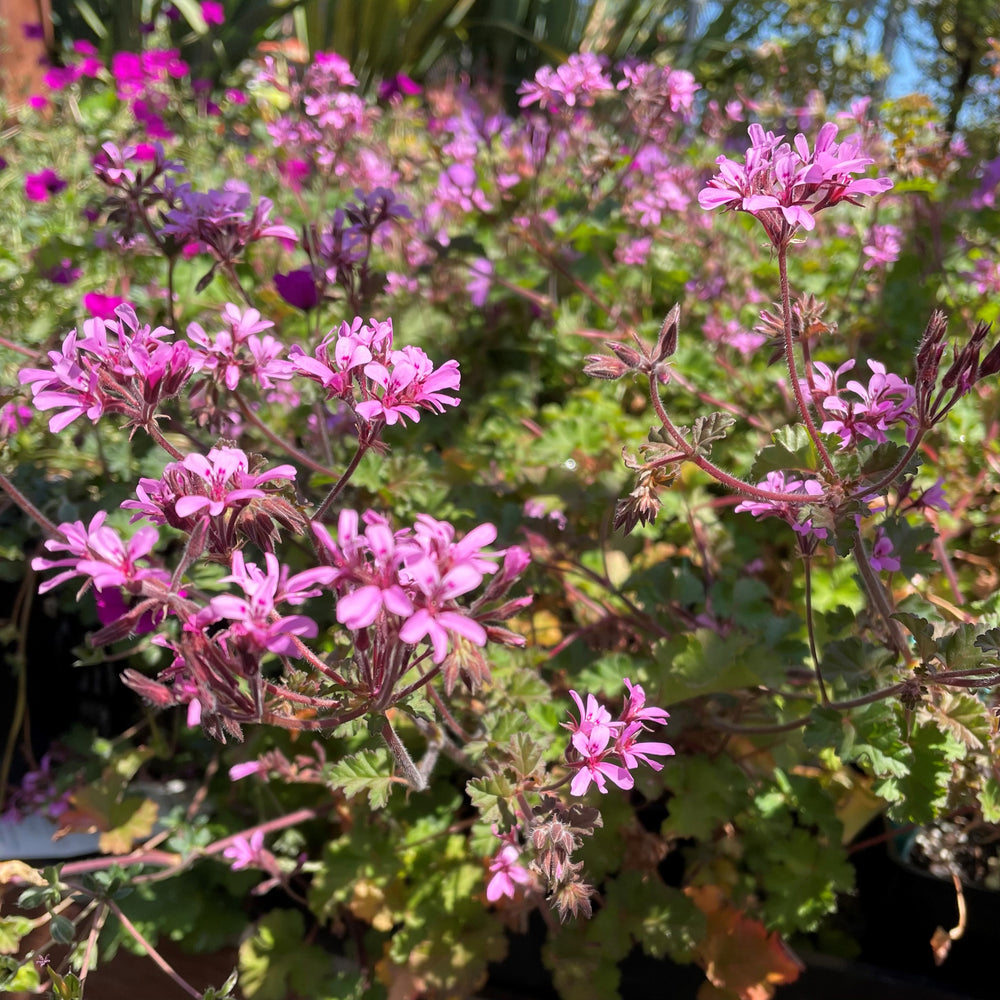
(298, 288)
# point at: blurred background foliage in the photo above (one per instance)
(779, 48)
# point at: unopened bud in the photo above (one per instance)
(631, 357)
(601, 366)
(666, 343)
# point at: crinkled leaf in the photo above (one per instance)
(960, 650)
(924, 788)
(922, 632)
(989, 642)
(966, 718)
(703, 662)
(791, 449)
(366, 771)
(853, 661)
(276, 962)
(525, 754)
(708, 429)
(989, 799)
(492, 796)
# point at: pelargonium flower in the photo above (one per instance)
(131, 372)
(785, 186)
(575, 83)
(506, 871)
(41, 186)
(393, 385)
(254, 616)
(238, 352)
(99, 553)
(244, 853)
(223, 220)
(605, 748)
(793, 514)
(887, 399)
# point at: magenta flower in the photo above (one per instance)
(785, 186)
(221, 480)
(41, 186)
(792, 513)
(213, 12)
(883, 557)
(883, 247)
(576, 83)
(593, 764)
(98, 552)
(887, 399)
(244, 853)
(602, 748)
(254, 615)
(506, 872)
(102, 306)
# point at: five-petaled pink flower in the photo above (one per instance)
(506, 871)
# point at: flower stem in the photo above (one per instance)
(786, 317)
(402, 758)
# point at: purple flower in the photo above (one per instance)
(298, 288)
(576, 83)
(882, 557)
(41, 186)
(883, 247)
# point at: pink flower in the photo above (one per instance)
(212, 12)
(41, 186)
(246, 853)
(99, 553)
(882, 557)
(506, 871)
(102, 306)
(784, 186)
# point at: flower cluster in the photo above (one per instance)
(115, 367)
(604, 748)
(577, 82)
(786, 185)
(794, 514)
(220, 490)
(223, 220)
(406, 583)
(358, 365)
(99, 554)
(860, 411)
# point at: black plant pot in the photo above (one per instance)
(898, 907)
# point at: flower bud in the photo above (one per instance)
(601, 366)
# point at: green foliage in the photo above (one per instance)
(275, 961)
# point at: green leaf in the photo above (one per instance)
(492, 796)
(12, 929)
(989, 642)
(966, 718)
(708, 429)
(791, 449)
(921, 630)
(707, 793)
(989, 799)
(703, 662)
(924, 789)
(62, 929)
(525, 754)
(276, 961)
(366, 771)
(960, 650)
